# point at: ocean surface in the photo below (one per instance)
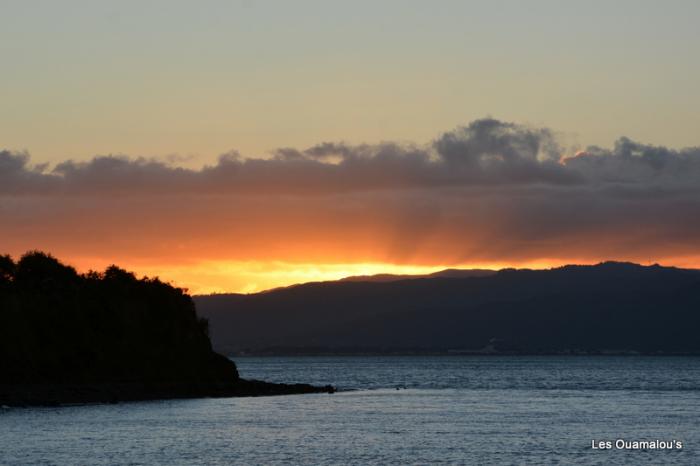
(446, 410)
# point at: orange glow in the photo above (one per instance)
(245, 244)
(254, 276)
(250, 277)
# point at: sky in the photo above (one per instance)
(241, 145)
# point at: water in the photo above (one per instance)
(454, 410)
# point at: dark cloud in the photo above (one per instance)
(486, 152)
(630, 162)
(489, 191)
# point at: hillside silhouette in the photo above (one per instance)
(69, 337)
(447, 273)
(606, 308)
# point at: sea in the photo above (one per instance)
(405, 410)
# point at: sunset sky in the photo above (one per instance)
(243, 145)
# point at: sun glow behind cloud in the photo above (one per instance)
(491, 194)
(209, 277)
(250, 277)
(226, 276)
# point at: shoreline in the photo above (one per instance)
(53, 395)
(263, 354)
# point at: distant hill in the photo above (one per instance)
(447, 273)
(609, 307)
(71, 338)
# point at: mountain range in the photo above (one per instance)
(611, 307)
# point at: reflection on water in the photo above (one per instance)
(473, 410)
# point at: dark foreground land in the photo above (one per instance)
(107, 337)
(68, 394)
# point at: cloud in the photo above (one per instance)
(488, 192)
(632, 163)
(485, 153)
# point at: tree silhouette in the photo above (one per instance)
(58, 326)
